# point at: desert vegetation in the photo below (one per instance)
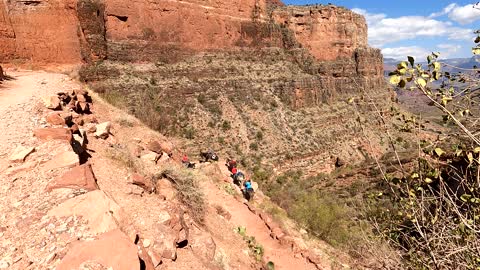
(429, 209)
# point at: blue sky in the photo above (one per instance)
(402, 28)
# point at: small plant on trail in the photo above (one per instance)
(189, 191)
(256, 250)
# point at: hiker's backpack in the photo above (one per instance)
(239, 176)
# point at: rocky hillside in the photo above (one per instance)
(80, 189)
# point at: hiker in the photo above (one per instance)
(248, 191)
(186, 162)
(238, 177)
(209, 155)
(231, 164)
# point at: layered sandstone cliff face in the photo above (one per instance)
(39, 31)
(59, 31)
(328, 32)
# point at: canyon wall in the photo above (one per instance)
(328, 32)
(39, 31)
(329, 42)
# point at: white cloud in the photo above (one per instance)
(401, 53)
(447, 50)
(445, 11)
(383, 30)
(465, 14)
(419, 53)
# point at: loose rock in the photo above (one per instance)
(52, 102)
(20, 153)
(112, 249)
(103, 130)
(66, 159)
(80, 177)
(53, 134)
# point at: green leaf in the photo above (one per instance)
(477, 40)
(428, 180)
(476, 50)
(395, 79)
(402, 65)
(470, 157)
(437, 66)
(476, 150)
(411, 60)
(436, 54)
(445, 100)
(429, 59)
(402, 83)
(439, 151)
(415, 176)
(270, 266)
(465, 197)
(421, 82)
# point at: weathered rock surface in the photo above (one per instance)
(55, 118)
(64, 134)
(101, 212)
(103, 130)
(20, 153)
(112, 249)
(80, 177)
(67, 159)
(52, 102)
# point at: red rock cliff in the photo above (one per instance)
(65, 31)
(68, 31)
(328, 32)
(39, 31)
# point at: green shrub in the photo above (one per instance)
(322, 216)
(226, 125)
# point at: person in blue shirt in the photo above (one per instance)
(248, 190)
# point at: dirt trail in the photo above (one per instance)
(281, 256)
(23, 233)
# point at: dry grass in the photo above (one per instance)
(189, 191)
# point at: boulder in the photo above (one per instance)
(112, 249)
(52, 102)
(20, 153)
(102, 213)
(203, 245)
(53, 134)
(165, 249)
(90, 118)
(166, 189)
(167, 147)
(103, 130)
(80, 177)
(150, 157)
(54, 118)
(68, 159)
(82, 107)
(155, 147)
(81, 98)
(143, 182)
(27, 166)
(146, 259)
(90, 127)
(75, 129)
(161, 147)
